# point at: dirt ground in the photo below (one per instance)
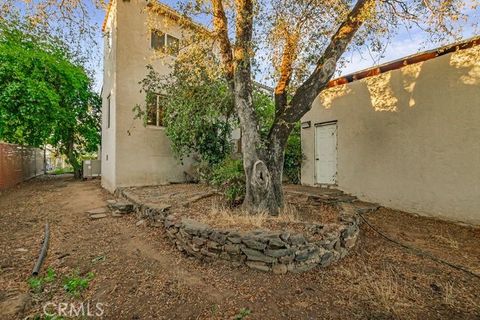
(140, 275)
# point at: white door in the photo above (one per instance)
(326, 153)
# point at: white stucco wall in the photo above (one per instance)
(408, 139)
(108, 88)
(142, 155)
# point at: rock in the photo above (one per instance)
(326, 259)
(306, 254)
(198, 241)
(349, 242)
(234, 237)
(171, 233)
(111, 201)
(170, 221)
(97, 210)
(232, 248)
(140, 222)
(285, 236)
(116, 215)
(193, 227)
(299, 268)
(224, 256)
(258, 266)
(213, 245)
(297, 239)
(350, 230)
(254, 244)
(159, 207)
(277, 253)
(218, 237)
(21, 250)
(98, 216)
(279, 269)
(287, 259)
(185, 235)
(123, 206)
(255, 255)
(207, 253)
(276, 243)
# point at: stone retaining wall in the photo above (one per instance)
(264, 250)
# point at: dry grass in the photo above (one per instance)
(448, 240)
(223, 216)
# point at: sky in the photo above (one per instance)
(405, 43)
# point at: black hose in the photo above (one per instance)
(43, 251)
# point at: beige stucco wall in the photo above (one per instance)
(108, 88)
(142, 155)
(408, 139)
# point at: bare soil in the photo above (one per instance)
(140, 275)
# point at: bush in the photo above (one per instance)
(293, 156)
(229, 177)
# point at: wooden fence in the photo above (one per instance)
(19, 163)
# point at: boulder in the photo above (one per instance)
(255, 255)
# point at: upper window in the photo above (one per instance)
(164, 42)
(155, 111)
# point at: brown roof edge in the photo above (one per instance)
(104, 24)
(162, 8)
(399, 63)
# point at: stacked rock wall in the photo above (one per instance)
(265, 250)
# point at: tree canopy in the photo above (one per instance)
(45, 98)
(301, 44)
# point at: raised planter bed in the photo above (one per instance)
(277, 251)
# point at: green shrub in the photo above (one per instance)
(75, 284)
(293, 156)
(229, 177)
(38, 283)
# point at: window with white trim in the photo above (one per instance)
(164, 42)
(155, 110)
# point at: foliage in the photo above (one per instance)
(47, 317)
(44, 97)
(243, 314)
(196, 112)
(229, 177)
(75, 284)
(292, 164)
(37, 283)
(61, 171)
(265, 109)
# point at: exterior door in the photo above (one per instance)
(326, 153)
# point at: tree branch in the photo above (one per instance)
(220, 25)
(326, 65)
(286, 69)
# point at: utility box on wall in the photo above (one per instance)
(91, 168)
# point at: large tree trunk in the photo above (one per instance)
(263, 160)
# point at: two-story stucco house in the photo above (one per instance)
(134, 154)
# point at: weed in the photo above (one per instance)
(242, 314)
(214, 309)
(75, 284)
(38, 283)
(47, 317)
(50, 276)
(99, 259)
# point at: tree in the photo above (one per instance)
(306, 39)
(44, 97)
